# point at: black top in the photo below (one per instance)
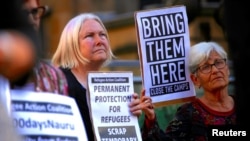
(78, 92)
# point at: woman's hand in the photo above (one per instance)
(134, 106)
(147, 106)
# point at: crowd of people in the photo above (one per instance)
(84, 46)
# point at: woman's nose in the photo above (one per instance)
(98, 39)
(214, 68)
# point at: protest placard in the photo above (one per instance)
(164, 43)
(40, 116)
(110, 93)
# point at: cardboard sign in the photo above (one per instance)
(110, 93)
(163, 40)
(46, 116)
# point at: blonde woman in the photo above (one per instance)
(84, 46)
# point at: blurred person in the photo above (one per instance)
(44, 77)
(17, 57)
(18, 48)
(18, 43)
(34, 11)
(214, 109)
(84, 46)
(21, 65)
(16, 53)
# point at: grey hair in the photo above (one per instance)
(201, 51)
(68, 51)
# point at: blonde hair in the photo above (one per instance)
(68, 51)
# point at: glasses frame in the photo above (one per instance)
(37, 12)
(224, 60)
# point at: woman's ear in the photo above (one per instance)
(195, 79)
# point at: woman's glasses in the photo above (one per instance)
(219, 64)
(37, 13)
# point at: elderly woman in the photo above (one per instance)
(84, 46)
(215, 108)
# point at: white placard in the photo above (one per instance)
(46, 116)
(164, 43)
(110, 94)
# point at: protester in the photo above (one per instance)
(215, 108)
(18, 44)
(83, 47)
(16, 53)
(44, 77)
(34, 12)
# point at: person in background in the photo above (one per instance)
(44, 77)
(84, 46)
(214, 109)
(34, 11)
(16, 53)
(18, 44)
